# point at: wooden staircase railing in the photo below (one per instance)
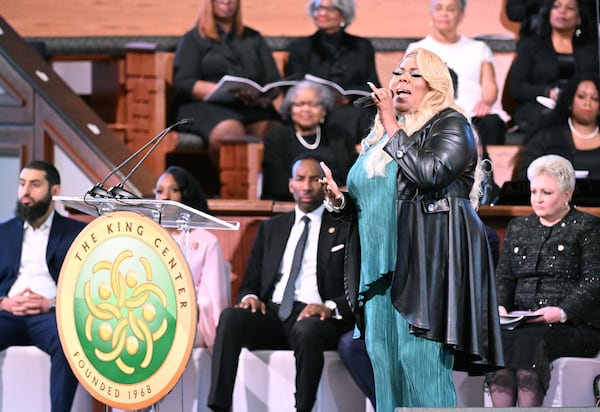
(39, 112)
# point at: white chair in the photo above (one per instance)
(570, 383)
(25, 382)
(266, 383)
(469, 389)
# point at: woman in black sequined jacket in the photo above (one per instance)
(550, 265)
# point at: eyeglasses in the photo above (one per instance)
(309, 104)
(326, 9)
(415, 73)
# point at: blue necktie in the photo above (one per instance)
(287, 302)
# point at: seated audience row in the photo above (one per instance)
(289, 300)
(564, 44)
(29, 283)
(570, 129)
(221, 45)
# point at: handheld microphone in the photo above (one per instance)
(118, 192)
(364, 102)
(367, 101)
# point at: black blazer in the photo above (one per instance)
(536, 70)
(269, 245)
(351, 66)
(62, 234)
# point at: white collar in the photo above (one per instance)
(45, 224)
(316, 214)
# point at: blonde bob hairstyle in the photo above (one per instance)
(207, 24)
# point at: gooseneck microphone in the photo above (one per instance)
(118, 192)
(367, 101)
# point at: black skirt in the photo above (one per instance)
(207, 115)
(536, 345)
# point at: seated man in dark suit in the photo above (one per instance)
(28, 276)
(310, 315)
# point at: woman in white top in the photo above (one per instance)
(472, 60)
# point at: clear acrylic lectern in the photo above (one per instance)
(167, 213)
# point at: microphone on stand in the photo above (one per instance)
(117, 192)
(367, 101)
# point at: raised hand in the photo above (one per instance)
(332, 190)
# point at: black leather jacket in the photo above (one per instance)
(444, 279)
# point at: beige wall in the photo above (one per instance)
(375, 18)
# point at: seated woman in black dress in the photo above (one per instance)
(565, 44)
(571, 130)
(333, 54)
(305, 107)
(220, 44)
(549, 264)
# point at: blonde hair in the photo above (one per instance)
(440, 96)
(207, 25)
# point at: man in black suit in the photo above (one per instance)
(33, 247)
(319, 313)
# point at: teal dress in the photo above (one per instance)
(409, 371)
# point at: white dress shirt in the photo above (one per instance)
(33, 269)
(306, 289)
